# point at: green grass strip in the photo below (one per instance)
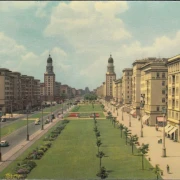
(13, 127)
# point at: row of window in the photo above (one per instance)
(174, 67)
(173, 114)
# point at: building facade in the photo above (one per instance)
(110, 77)
(173, 127)
(154, 89)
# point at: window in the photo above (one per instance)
(163, 83)
(163, 75)
(157, 108)
(163, 91)
(177, 104)
(163, 100)
(157, 75)
(176, 115)
(177, 78)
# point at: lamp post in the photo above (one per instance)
(163, 147)
(27, 108)
(0, 137)
(42, 127)
(129, 120)
(142, 105)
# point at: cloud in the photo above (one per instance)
(23, 5)
(84, 24)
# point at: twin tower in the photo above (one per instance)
(110, 77)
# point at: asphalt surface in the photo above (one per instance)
(21, 134)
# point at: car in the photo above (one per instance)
(4, 143)
(37, 122)
(3, 120)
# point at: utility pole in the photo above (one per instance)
(27, 108)
(164, 147)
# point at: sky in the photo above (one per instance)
(80, 36)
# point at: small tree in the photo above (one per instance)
(127, 133)
(102, 173)
(95, 129)
(98, 143)
(100, 155)
(98, 134)
(143, 150)
(121, 127)
(157, 171)
(132, 140)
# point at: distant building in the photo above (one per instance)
(87, 90)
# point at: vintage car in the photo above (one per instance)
(3, 119)
(37, 122)
(4, 143)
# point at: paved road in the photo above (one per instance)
(18, 136)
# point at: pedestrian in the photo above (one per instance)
(167, 168)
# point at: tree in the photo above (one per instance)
(100, 155)
(97, 134)
(132, 140)
(157, 171)
(98, 143)
(127, 133)
(102, 173)
(142, 151)
(121, 127)
(95, 129)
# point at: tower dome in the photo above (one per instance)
(49, 60)
(110, 60)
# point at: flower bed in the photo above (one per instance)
(74, 115)
(24, 168)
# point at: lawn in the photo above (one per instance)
(73, 155)
(39, 115)
(13, 127)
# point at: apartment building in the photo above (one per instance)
(110, 77)
(17, 91)
(153, 87)
(136, 79)
(173, 127)
(127, 86)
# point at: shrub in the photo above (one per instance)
(48, 144)
(32, 164)
(43, 148)
(40, 152)
(13, 176)
(23, 171)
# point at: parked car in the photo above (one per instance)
(3, 119)
(4, 143)
(37, 122)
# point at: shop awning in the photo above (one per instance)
(166, 127)
(145, 117)
(133, 111)
(169, 129)
(161, 119)
(172, 130)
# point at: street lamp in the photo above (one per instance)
(42, 127)
(27, 108)
(142, 105)
(164, 148)
(129, 119)
(0, 137)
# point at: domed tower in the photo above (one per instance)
(49, 80)
(110, 77)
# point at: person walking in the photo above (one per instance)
(167, 168)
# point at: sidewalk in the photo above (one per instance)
(20, 148)
(151, 137)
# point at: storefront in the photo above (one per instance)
(160, 121)
(145, 119)
(171, 131)
(133, 113)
